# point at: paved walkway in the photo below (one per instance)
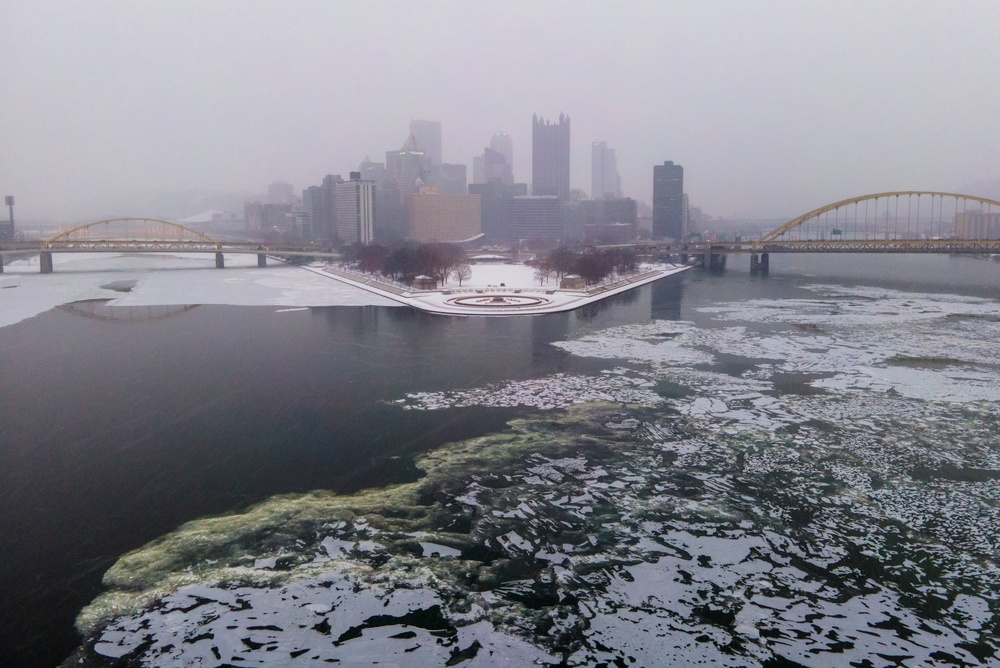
(493, 301)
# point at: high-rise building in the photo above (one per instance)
(7, 231)
(433, 216)
(668, 201)
(280, 192)
(977, 225)
(356, 210)
(312, 206)
(428, 135)
(605, 183)
(492, 167)
(263, 218)
(495, 208)
(325, 228)
(550, 157)
(496, 168)
(450, 179)
(610, 220)
(536, 217)
(685, 216)
(390, 219)
(408, 167)
(502, 144)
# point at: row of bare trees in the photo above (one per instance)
(406, 262)
(593, 266)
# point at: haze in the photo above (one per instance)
(773, 108)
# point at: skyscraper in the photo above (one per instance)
(604, 180)
(428, 135)
(433, 216)
(325, 229)
(550, 157)
(280, 192)
(312, 205)
(496, 168)
(478, 169)
(390, 219)
(408, 167)
(356, 210)
(668, 201)
(502, 144)
(450, 179)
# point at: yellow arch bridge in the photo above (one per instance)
(908, 221)
(150, 235)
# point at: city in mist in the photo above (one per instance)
(773, 108)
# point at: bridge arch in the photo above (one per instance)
(916, 222)
(168, 236)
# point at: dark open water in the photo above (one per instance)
(120, 425)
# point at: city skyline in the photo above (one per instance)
(773, 108)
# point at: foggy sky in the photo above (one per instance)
(773, 108)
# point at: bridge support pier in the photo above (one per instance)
(219, 262)
(45, 262)
(759, 264)
(261, 261)
(716, 262)
(1, 264)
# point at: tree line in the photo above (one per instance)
(407, 261)
(592, 265)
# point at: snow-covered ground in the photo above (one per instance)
(502, 290)
(162, 279)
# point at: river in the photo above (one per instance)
(722, 467)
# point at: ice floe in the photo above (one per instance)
(833, 499)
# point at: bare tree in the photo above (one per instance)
(462, 272)
(542, 272)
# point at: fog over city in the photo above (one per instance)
(773, 108)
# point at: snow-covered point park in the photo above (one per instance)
(157, 279)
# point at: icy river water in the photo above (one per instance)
(715, 469)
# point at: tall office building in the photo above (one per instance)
(264, 218)
(450, 179)
(325, 228)
(428, 135)
(7, 228)
(312, 206)
(495, 204)
(478, 169)
(605, 183)
(977, 225)
(496, 168)
(685, 216)
(280, 192)
(390, 218)
(408, 167)
(668, 201)
(356, 210)
(502, 144)
(433, 216)
(536, 217)
(550, 157)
